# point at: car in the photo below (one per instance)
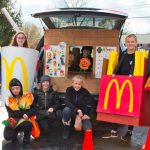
(68, 31)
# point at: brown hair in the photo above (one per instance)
(14, 40)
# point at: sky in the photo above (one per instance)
(134, 8)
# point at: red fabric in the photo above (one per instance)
(88, 141)
(37, 65)
(136, 84)
(35, 129)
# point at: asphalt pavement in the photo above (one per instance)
(53, 140)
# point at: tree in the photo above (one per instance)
(33, 34)
(6, 31)
(75, 3)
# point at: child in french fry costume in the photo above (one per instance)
(130, 62)
(147, 84)
(20, 112)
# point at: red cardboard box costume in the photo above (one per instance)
(122, 99)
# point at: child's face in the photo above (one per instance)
(86, 52)
(15, 90)
(77, 84)
(20, 39)
(45, 85)
(131, 43)
(71, 58)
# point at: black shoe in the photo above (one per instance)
(66, 132)
(15, 140)
(127, 136)
(26, 138)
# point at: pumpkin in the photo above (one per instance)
(84, 63)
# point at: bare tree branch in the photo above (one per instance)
(75, 3)
(66, 3)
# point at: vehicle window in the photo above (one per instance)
(85, 21)
(80, 59)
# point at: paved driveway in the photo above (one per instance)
(53, 140)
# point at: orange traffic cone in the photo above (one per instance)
(88, 141)
(147, 145)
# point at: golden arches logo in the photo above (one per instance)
(10, 68)
(119, 92)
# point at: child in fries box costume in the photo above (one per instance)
(122, 98)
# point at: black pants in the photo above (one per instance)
(44, 123)
(11, 134)
(67, 114)
(129, 127)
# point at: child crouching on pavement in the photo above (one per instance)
(20, 108)
(77, 100)
(46, 101)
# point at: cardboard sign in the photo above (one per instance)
(120, 95)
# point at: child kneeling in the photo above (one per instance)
(20, 108)
(78, 101)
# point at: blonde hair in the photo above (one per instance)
(77, 77)
(131, 35)
(14, 40)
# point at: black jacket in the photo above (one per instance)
(78, 99)
(45, 100)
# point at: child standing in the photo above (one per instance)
(19, 107)
(77, 100)
(125, 66)
(47, 103)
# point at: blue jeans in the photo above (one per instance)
(67, 114)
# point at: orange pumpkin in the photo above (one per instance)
(84, 63)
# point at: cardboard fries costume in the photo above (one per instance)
(122, 98)
(147, 85)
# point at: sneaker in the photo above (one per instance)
(112, 134)
(66, 132)
(26, 138)
(127, 136)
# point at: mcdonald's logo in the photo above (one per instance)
(10, 69)
(119, 92)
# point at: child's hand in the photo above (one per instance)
(80, 112)
(85, 117)
(25, 117)
(50, 110)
